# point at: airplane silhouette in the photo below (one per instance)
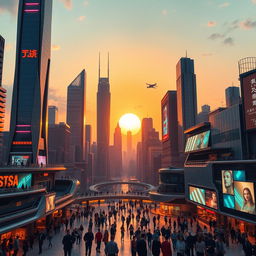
(151, 85)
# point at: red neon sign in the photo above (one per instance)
(22, 143)
(29, 53)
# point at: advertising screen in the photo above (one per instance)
(197, 195)
(165, 123)
(50, 203)
(198, 141)
(249, 100)
(227, 182)
(244, 197)
(211, 199)
(41, 160)
(229, 201)
(20, 160)
(25, 180)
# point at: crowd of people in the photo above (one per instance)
(149, 235)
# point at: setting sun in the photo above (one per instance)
(129, 122)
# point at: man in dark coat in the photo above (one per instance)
(67, 242)
(141, 246)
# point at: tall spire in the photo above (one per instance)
(99, 65)
(108, 65)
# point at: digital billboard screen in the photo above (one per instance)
(249, 100)
(23, 180)
(238, 194)
(204, 197)
(20, 160)
(165, 123)
(198, 141)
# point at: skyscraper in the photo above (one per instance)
(28, 128)
(232, 94)
(170, 153)
(2, 98)
(186, 97)
(76, 116)
(203, 116)
(103, 128)
(52, 115)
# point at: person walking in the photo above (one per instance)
(180, 246)
(166, 247)
(16, 246)
(200, 247)
(98, 239)
(25, 247)
(220, 250)
(88, 238)
(105, 237)
(141, 246)
(133, 246)
(111, 248)
(41, 237)
(67, 242)
(156, 247)
(149, 238)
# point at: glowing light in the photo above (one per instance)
(29, 53)
(130, 122)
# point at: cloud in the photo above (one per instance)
(55, 47)
(207, 54)
(67, 3)
(253, 1)
(10, 6)
(211, 24)
(81, 18)
(164, 12)
(228, 41)
(215, 36)
(224, 5)
(86, 3)
(248, 24)
(56, 98)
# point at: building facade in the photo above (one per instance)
(59, 143)
(170, 151)
(186, 98)
(232, 94)
(103, 129)
(76, 116)
(28, 128)
(52, 115)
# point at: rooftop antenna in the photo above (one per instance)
(99, 65)
(108, 65)
(186, 53)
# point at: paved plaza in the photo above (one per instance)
(124, 247)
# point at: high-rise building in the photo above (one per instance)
(28, 128)
(103, 128)
(2, 41)
(118, 169)
(170, 152)
(186, 98)
(2, 99)
(88, 138)
(76, 116)
(59, 143)
(52, 115)
(203, 116)
(139, 160)
(232, 94)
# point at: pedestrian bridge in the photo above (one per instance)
(112, 196)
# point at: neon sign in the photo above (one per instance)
(29, 54)
(8, 181)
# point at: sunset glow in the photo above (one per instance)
(129, 122)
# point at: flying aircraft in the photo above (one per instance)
(151, 85)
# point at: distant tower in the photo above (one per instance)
(117, 167)
(76, 116)
(28, 127)
(129, 143)
(52, 115)
(186, 98)
(203, 116)
(103, 128)
(232, 94)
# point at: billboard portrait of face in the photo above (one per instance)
(165, 123)
(244, 197)
(211, 199)
(227, 182)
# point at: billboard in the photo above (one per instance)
(249, 100)
(50, 203)
(211, 199)
(16, 181)
(165, 123)
(198, 141)
(20, 160)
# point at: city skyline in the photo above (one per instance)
(145, 49)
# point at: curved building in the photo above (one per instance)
(28, 129)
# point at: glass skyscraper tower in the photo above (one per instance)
(28, 128)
